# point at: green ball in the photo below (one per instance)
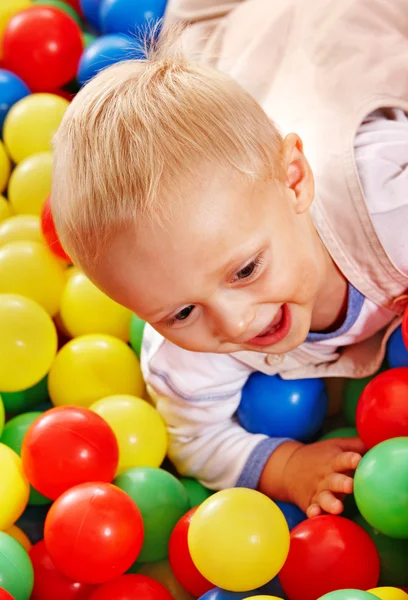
(381, 487)
(162, 501)
(2, 415)
(393, 555)
(13, 435)
(16, 571)
(351, 395)
(197, 493)
(88, 38)
(18, 402)
(62, 6)
(136, 334)
(347, 595)
(342, 432)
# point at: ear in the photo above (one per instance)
(298, 175)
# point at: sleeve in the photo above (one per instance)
(198, 394)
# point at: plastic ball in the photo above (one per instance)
(136, 334)
(131, 586)
(2, 416)
(404, 327)
(292, 514)
(352, 391)
(347, 595)
(85, 309)
(14, 488)
(30, 184)
(92, 367)
(380, 487)
(341, 432)
(93, 532)
(161, 571)
(76, 5)
(66, 446)
(90, 8)
(397, 353)
(264, 598)
(180, 559)
(31, 124)
(103, 52)
(139, 429)
(280, 408)
(197, 493)
(7, 10)
(12, 89)
(28, 342)
(19, 535)
(4, 595)
(49, 583)
(59, 4)
(29, 269)
(5, 209)
(16, 571)
(222, 536)
(162, 501)
(5, 166)
(382, 411)
(42, 45)
(126, 16)
(50, 233)
(88, 38)
(21, 228)
(24, 400)
(388, 593)
(338, 553)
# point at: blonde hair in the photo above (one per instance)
(140, 129)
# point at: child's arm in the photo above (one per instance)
(198, 395)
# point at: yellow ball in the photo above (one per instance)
(85, 309)
(31, 124)
(388, 593)
(92, 367)
(19, 535)
(8, 8)
(263, 598)
(139, 429)
(29, 269)
(238, 539)
(28, 343)
(5, 167)
(5, 208)
(14, 487)
(30, 184)
(21, 228)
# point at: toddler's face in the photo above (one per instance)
(237, 267)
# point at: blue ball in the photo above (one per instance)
(90, 8)
(397, 354)
(280, 408)
(104, 52)
(273, 588)
(292, 514)
(126, 16)
(12, 89)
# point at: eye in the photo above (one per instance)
(184, 313)
(249, 269)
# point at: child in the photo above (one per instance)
(179, 197)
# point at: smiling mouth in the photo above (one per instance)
(276, 330)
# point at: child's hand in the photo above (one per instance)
(313, 476)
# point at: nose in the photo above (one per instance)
(231, 321)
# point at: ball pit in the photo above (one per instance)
(16, 571)
(21, 228)
(12, 89)
(30, 184)
(126, 16)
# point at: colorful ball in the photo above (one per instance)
(382, 411)
(136, 334)
(66, 446)
(60, 5)
(397, 353)
(16, 571)
(131, 586)
(21, 228)
(238, 539)
(341, 432)
(347, 595)
(405, 327)
(12, 89)
(49, 583)
(338, 554)
(380, 487)
(388, 593)
(31, 124)
(14, 488)
(24, 400)
(2, 416)
(5, 209)
(7, 10)
(90, 8)
(161, 571)
(42, 45)
(50, 233)
(4, 595)
(19, 535)
(103, 52)
(30, 184)
(139, 429)
(280, 408)
(162, 501)
(292, 514)
(5, 166)
(92, 367)
(126, 16)
(197, 493)
(28, 342)
(93, 533)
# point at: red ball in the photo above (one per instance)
(50, 584)
(180, 559)
(93, 532)
(382, 411)
(132, 587)
(5, 595)
(405, 328)
(75, 5)
(66, 446)
(50, 233)
(329, 553)
(43, 46)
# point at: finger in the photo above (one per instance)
(346, 461)
(339, 483)
(314, 510)
(354, 444)
(329, 503)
